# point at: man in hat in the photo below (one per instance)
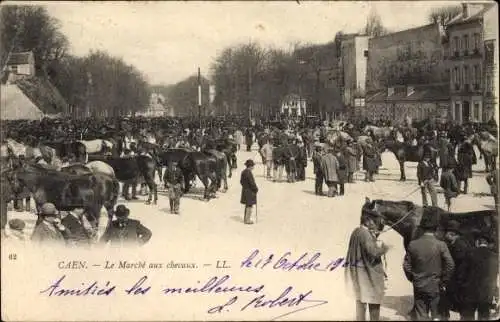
(49, 229)
(80, 231)
(342, 170)
(370, 162)
(478, 281)
(318, 172)
(426, 175)
(249, 191)
(351, 156)
(429, 266)
(125, 231)
(458, 247)
(329, 167)
(174, 179)
(365, 274)
(466, 158)
(449, 184)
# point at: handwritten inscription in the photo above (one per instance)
(289, 297)
(287, 262)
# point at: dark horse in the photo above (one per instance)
(68, 191)
(405, 152)
(131, 170)
(404, 217)
(205, 167)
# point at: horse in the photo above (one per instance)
(229, 148)
(68, 191)
(131, 170)
(404, 217)
(205, 167)
(221, 167)
(66, 148)
(378, 132)
(96, 146)
(407, 153)
(487, 145)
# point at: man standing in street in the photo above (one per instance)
(329, 167)
(267, 155)
(365, 275)
(429, 266)
(370, 163)
(174, 179)
(479, 276)
(318, 172)
(449, 184)
(351, 156)
(427, 176)
(249, 191)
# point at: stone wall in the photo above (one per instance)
(413, 56)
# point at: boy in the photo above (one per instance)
(173, 181)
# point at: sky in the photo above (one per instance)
(168, 41)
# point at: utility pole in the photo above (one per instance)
(199, 95)
(249, 93)
(318, 71)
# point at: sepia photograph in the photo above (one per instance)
(249, 160)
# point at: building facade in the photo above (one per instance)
(471, 61)
(403, 71)
(20, 65)
(293, 105)
(354, 56)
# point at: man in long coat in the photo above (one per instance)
(318, 172)
(351, 156)
(249, 191)
(466, 158)
(365, 273)
(329, 167)
(370, 163)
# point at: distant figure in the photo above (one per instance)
(351, 156)
(342, 171)
(427, 176)
(249, 191)
(370, 161)
(449, 184)
(173, 182)
(429, 266)
(267, 157)
(492, 179)
(49, 229)
(125, 231)
(329, 167)
(316, 158)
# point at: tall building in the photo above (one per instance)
(406, 75)
(353, 62)
(473, 62)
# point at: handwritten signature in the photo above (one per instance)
(300, 301)
(286, 263)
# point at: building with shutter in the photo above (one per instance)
(473, 63)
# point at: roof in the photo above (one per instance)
(17, 106)
(422, 93)
(473, 17)
(45, 95)
(19, 58)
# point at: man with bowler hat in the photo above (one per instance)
(125, 231)
(49, 228)
(249, 190)
(429, 266)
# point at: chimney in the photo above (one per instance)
(465, 10)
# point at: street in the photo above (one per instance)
(290, 219)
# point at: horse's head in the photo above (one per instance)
(392, 213)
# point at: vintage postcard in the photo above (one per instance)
(249, 160)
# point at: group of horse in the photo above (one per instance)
(93, 181)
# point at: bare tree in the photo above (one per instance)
(374, 26)
(443, 15)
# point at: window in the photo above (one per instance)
(476, 75)
(476, 41)
(466, 42)
(456, 75)
(455, 44)
(476, 111)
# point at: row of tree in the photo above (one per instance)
(97, 84)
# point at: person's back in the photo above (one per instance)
(426, 257)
